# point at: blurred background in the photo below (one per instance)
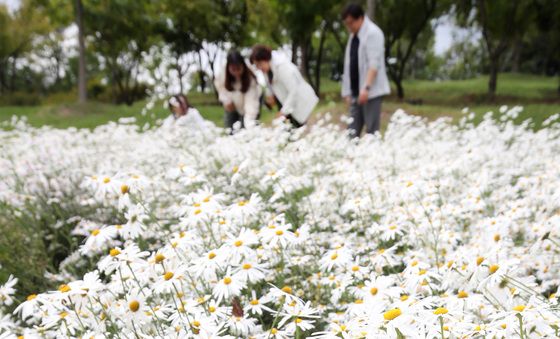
(85, 62)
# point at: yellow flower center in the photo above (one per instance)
(227, 280)
(279, 232)
(64, 288)
(31, 297)
(479, 260)
(247, 266)
(95, 232)
(238, 243)
(106, 180)
(211, 255)
(168, 275)
(287, 289)
(125, 189)
(212, 309)
(392, 314)
(373, 290)
(334, 256)
(114, 252)
(519, 308)
(134, 305)
(462, 294)
(273, 331)
(404, 297)
(254, 302)
(497, 237)
(440, 310)
(242, 203)
(493, 268)
(159, 258)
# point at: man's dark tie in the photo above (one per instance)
(354, 67)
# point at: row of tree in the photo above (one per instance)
(120, 40)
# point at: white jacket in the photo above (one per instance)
(246, 104)
(296, 96)
(371, 54)
(192, 120)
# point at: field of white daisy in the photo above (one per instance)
(434, 230)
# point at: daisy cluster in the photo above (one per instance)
(434, 230)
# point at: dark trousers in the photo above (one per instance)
(368, 115)
(231, 118)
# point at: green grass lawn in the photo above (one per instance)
(431, 99)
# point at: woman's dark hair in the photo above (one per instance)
(260, 53)
(235, 58)
(354, 10)
(178, 100)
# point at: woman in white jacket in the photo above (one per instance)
(285, 83)
(239, 92)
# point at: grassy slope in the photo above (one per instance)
(431, 99)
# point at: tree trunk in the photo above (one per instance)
(294, 52)
(201, 74)
(180, 75)
(493, 80)
(82, 81)
(13, 75)
(320, 59)
(371, 9)
(400, 88)
(516, 56)
(305, 58)
(2, 71)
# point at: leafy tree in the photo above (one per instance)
(502, 22)
(202, 27)
(306, 22)
(121, 32)
(405, 23)
(17, 33)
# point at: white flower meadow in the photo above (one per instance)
(431, 231)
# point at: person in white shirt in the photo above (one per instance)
(364, 82)
(286, 85)
(182, 114)
(239, 92)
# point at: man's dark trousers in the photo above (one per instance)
(368, 115)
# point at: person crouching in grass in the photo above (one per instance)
(183, 114)
(239, 93)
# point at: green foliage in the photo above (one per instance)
(17, 32)
(406, 25)
(502, 22)
(519, 35)
(20, 99)
(121, 32)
